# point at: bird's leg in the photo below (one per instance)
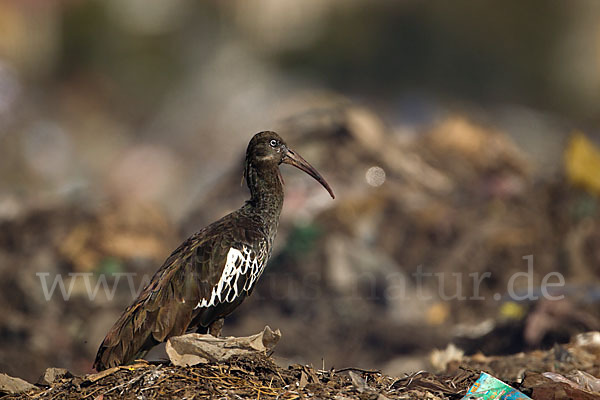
(215, 328)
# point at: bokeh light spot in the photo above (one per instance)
(375, 176)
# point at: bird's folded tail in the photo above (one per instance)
(141, 327)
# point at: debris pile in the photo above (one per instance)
(248, 378)
(565, 372)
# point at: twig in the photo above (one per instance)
(91, 393)
(280, 377)
(366, 371)
(137, 378)
(409, 377)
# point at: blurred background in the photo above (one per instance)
(459, 137)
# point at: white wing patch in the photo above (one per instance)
(238, 264)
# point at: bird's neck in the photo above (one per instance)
(266, 193)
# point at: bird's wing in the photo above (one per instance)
(198, 276)
(242, 264)
(164, 308)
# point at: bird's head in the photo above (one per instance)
(267, 150)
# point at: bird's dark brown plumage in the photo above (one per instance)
(213, 271)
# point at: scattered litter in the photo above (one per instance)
(585, 381)
(487, 388)
(358, 381)
(52, 374)
(576, 379)
(303, 380)
(588, 339)
(555, 386)
(559, 378)
(194, 348)
(440, 359)
(11, 385)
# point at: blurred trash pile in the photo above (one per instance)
(464, 214)
(454, 199)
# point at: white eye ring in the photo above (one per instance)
(273, 143)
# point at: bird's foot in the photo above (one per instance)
(215, 328)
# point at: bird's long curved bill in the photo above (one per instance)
(297, 161)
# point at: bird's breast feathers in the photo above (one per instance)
(242, 269)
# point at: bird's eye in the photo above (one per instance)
(273, 143)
